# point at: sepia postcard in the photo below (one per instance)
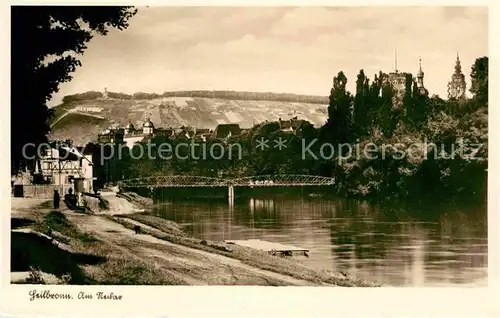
(181, 160)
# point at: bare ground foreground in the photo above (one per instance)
(64, 247)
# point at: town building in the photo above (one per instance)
(61, 164)
(133, 135)
(111, 136)
(182, 133)
(457, 85)
(148, 127)
(166, 132)
(22, 178)
(398, 80)
(293, 125)
(201, 134)
(88, 109)
(190, 133)
(223, 131)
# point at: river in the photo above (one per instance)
(392, 245)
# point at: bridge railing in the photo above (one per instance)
(253, 181)
(173, 181)
(282, 180)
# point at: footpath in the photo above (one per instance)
(121, 245)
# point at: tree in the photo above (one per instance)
(362, 120)
(421, 107)
(479, 81)
(45, 42)
(81, 97)
(408, 96)
(339, 111)
(411, 111)
(408, 103)
(417, 107)
(374, 99)
(384, 116)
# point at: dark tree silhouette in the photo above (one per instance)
(338, 125)
(385, 116)
(374, 100)
(45, 42)
(419, 112)
(362, 120)
(409, 101)
(479, 80)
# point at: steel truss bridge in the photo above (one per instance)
(286, 180)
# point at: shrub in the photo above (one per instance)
(35, 276)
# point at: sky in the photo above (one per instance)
(278, 49)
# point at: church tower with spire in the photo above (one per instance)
(420, 79)
(457, 85)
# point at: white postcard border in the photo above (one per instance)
(231, 301)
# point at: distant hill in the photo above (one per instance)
(232, 95)
(82, 116)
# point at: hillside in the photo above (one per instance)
(82, 120)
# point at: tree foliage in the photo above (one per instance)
(45, 44)
(362, 102)
(479, 81)
(339, 120)
(229, 95)
(90, 95)
(386, 117)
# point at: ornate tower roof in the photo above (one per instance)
(458, 66)
(148, 124)
(420, 79)
(457, 85)
(420, 73)
(130, 127)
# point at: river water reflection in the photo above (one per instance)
(431, 246)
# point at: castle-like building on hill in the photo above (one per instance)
(398, 81)
(457, 86)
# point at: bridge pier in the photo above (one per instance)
(152, 193)
(230, 195)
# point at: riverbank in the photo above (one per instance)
(70, 248)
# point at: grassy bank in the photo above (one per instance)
(48, 242)
(170, 231)
(104, 249)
